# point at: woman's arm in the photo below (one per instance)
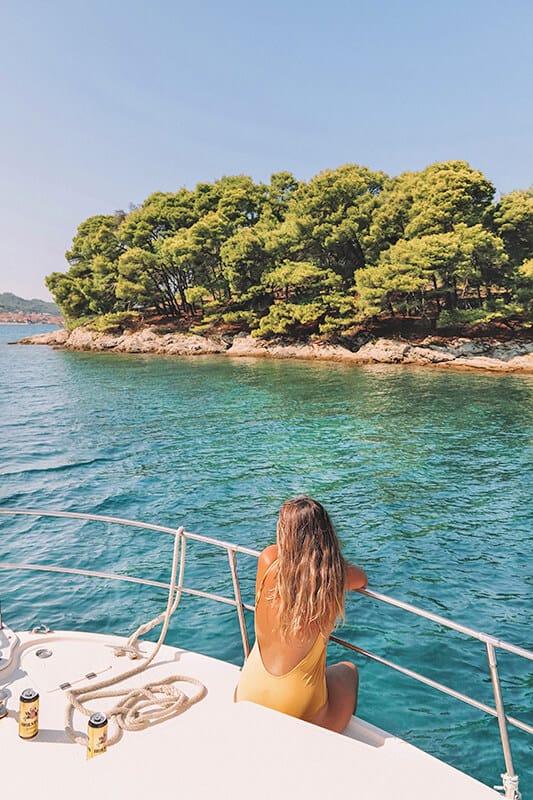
(355, 578)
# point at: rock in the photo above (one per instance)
(486, 354)
(458, 346)
(480, 362)
(57, 338)
(383, 351)
(190, 345)
(507, 351)
(470, 347)
(427, 355)
(145, 341)
(86, 339)
(523, 362)
(246, 345)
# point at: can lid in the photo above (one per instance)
(28, 695)
(97, 720)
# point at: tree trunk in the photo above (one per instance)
(169, 291)
(454, 292)
(436, 288)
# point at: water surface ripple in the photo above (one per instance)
(427, 475)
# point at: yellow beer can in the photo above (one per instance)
(96, 734)
(29, 714)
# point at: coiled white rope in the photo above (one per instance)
(150, 704)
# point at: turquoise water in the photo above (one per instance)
(427, 475)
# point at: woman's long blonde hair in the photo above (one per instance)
(311, 571)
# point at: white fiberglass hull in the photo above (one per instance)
(215, 749)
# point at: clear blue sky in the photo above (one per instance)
(102, 103)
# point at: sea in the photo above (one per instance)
(427, 475)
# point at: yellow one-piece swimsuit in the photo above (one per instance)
(301, 692)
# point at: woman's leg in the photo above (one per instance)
(343, 682)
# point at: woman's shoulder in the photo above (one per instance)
(268, 555)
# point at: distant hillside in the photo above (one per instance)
(10, 302)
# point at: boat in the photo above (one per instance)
(174, 729)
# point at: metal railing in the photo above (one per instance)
(510, 779)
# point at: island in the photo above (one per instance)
(424, 267)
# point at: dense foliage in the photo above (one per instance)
(321, 257)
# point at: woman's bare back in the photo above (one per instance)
(300, 586)
(279, 655)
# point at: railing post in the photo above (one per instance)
(509, 778)
(238, 600)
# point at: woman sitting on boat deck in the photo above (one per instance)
(300, 586)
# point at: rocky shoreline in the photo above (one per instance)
(460, 353)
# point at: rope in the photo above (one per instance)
(150, 704)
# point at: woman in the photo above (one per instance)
(300, 588)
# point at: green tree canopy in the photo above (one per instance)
(244, 258)
(431, 201)
(442, 267)
(138, 280)
(288, 255)
(96, 236)
(512, 220)
(328, 219)
(301, 278)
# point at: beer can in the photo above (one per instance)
(29, 714)
(96, 734)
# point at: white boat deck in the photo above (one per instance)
(215, 749)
